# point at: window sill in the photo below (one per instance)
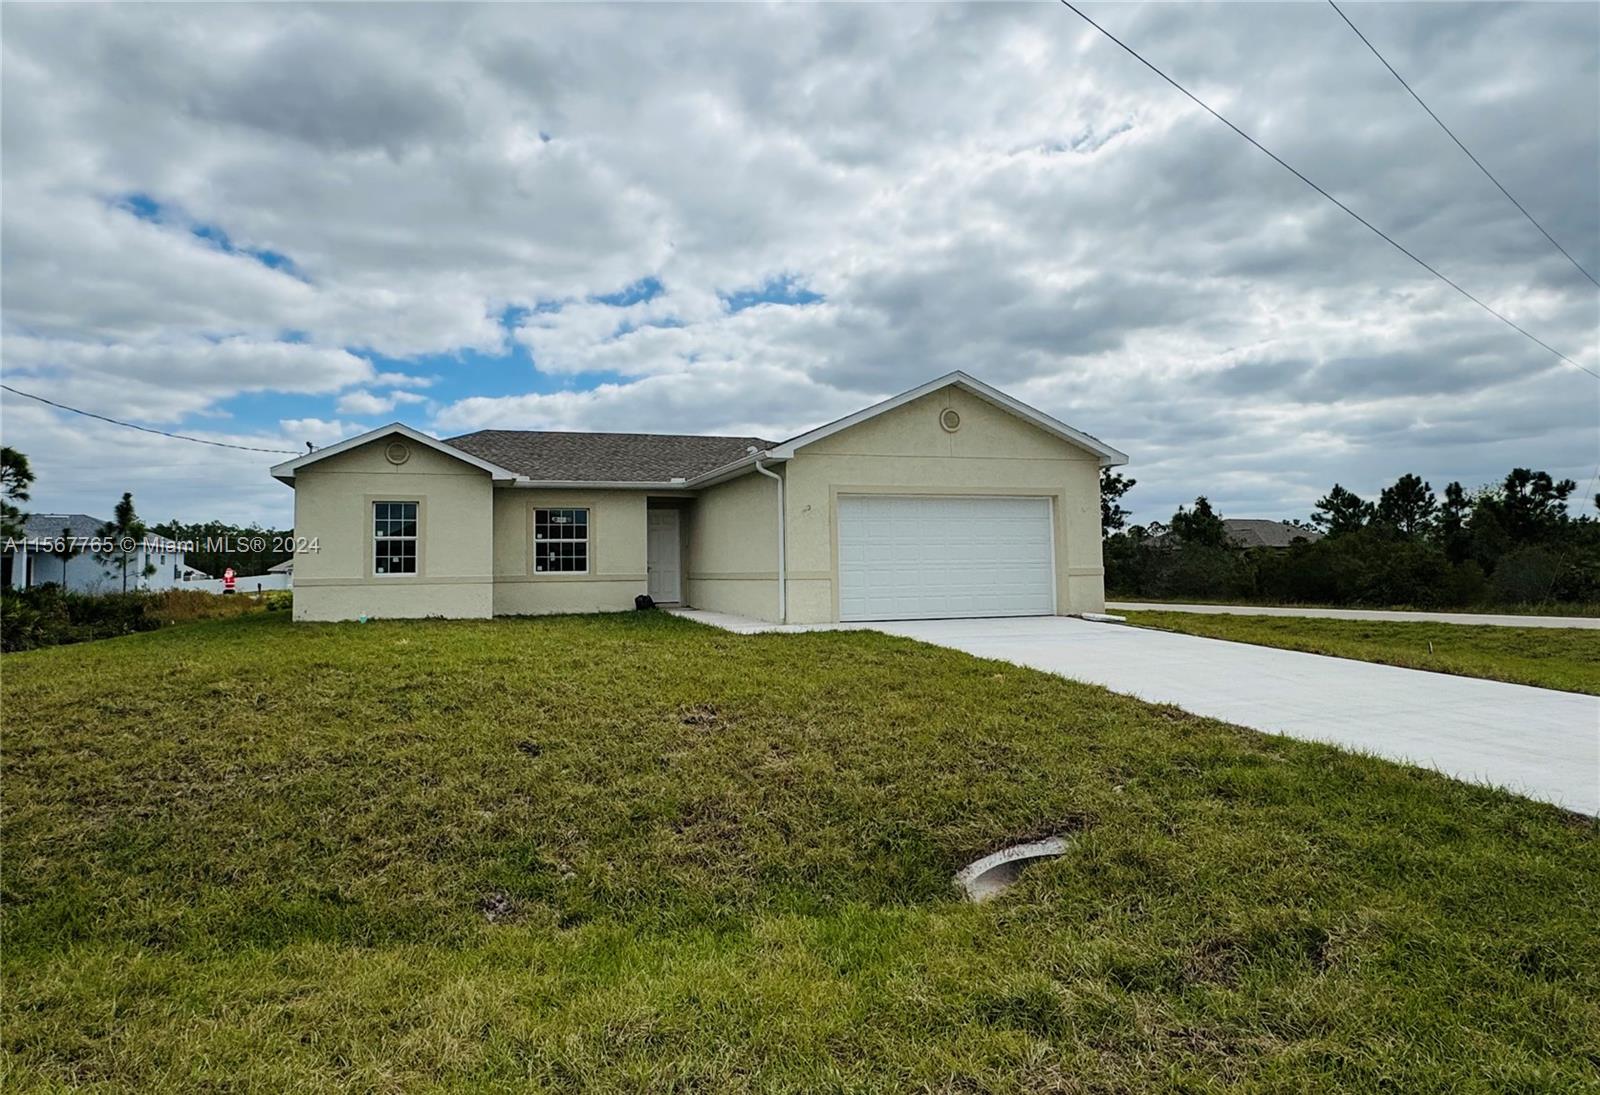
(569, 577)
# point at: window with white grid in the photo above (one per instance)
(561, 541)
(394, 537)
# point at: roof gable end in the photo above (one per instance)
(1108, 456)
(285, 472)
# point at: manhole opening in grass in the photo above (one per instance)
(994, 874)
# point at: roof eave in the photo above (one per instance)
(742, 466)
(523, 482)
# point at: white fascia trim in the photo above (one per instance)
(742, 466)
(1109, 457)
(285, 471)
(670, 486)
(600, 484)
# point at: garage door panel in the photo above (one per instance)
(931, 557)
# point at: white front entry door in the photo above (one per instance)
(662, 563)
(940, 557)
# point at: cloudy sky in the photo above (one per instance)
(275, 224)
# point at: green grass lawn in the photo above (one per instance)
(1549, 657)
(636, 854)
(1541, 608)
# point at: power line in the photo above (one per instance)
(146, 429)
(1374, 229)
(1457, 140)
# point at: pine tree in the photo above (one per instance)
(1201, 526)
(1112, 487)
(1341, 511)
(15, 479)
(1408, 507)
(127, 533)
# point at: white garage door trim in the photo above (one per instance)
(924, 556)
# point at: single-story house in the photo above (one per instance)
(62, 548)
(1253, 532)
(952, 499)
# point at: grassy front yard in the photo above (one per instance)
(1549, 657)
(636, 854)
(1541, 608)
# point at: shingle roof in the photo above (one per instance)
(49, 525)
(78, 526)
(604, 457)
(1255, 532)
(1252, 532)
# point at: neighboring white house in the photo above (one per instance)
(36, 560)
(278, 577)
(951, 499)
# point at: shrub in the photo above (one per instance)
(1465, 585)
(178, 606)
(1400, 572)
(1525, 576)
(1198, 570)
(47, 616)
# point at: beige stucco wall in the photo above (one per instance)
(333, 504)
(905, 451)
(476, 540)
(731, 556)
(617, 531)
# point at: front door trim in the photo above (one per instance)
(664, 556)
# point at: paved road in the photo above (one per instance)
(1534, 741)
(1489, 619)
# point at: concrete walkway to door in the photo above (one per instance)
(1534, 741)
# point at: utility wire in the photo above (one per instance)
(1374, 229)
(1487, 174)
(145, 429)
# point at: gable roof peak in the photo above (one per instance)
(1109, 457)
(285, 471)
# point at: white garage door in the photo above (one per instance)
(909, 558)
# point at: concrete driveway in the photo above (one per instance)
(1534, 741)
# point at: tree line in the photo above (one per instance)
(1513, 542)
(214, 546)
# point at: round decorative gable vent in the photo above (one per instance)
(949, 420)
(397, 452)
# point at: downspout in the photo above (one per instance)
(783, 592)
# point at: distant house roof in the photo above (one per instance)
(285, 567)
(50, 525)
(79, 526)
(1253, 532)
(605, 457)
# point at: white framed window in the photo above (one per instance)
(561, 541)
(394, 537)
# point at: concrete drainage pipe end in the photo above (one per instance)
(994, 874)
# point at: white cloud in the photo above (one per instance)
(365, 402)
(320, 431)
(983, 187)
(162, 381)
